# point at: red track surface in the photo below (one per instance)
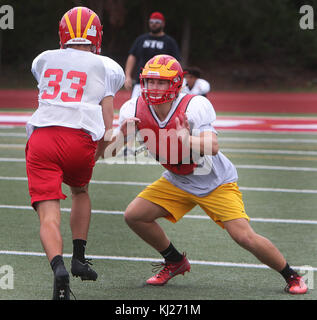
(222, 101)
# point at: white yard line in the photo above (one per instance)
(12, 160)
(187, 216)
(306, 191)
(141, 259)
(134, 183)
(12, 134)
(227, 139)
(267, 132)
(270, 140)
(281, 168)
(153, 162)
(270, 151)
(11, 145)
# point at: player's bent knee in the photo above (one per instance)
(79, 190)
(133, 215)
(130, 217)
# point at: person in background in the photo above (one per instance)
(193, 84)
(67, 134)
(147, 45)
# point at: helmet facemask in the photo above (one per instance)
(157, 96)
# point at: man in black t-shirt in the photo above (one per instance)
(145, 47)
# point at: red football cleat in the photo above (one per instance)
(296, 285)
(170, 270)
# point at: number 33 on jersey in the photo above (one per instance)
(72, 83)
(58, 73)
(70, 75)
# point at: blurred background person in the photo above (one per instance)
(193, 83)
(145, 47)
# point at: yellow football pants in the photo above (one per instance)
(222, 204)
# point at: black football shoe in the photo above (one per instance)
(61, 284)
(83, 270)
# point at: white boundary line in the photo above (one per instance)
(224, 130)
(305, 191)
(270, 140)
(269, 151)
(12, 134)
(286, 132)
(282, 168)
(133, 183)
(151, 163)
(225, 150)
(139, 259)
(12, 160)
(11, 145)
(227, 139)
(187, 216)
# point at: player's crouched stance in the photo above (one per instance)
(76, 89)
(187, 183)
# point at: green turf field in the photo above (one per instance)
(280, 194)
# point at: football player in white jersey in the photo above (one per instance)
(66, 136)
(210, 181)
(193, 83)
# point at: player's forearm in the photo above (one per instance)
(107, 116)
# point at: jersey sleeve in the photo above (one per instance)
(37, 66)
(201, 114)
(114, 77)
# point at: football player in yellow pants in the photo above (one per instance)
(210, 182)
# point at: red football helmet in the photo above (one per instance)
(163, 67)
(80, 25)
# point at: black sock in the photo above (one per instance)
(56, 261)
(287, 272)
(171, 254)
(79, 246)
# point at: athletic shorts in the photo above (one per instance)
(222, 204)
(55, 155)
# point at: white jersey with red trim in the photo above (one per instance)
(71, 85)
(212, 171)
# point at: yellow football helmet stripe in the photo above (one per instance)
(78, 24)
(164, 70)
(70, 28)
(88, 25)
(155, 63)
(171, 62)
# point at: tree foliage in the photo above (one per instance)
(217, 30)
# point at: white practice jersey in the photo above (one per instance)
(71, 85)
(212, 171)
(201, 87)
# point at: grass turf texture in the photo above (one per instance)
(202, 239)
